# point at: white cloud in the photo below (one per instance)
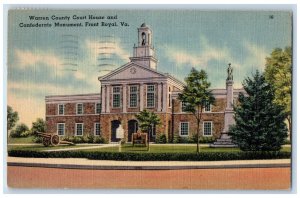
(29, 58)
(256, 56)
(107, 48)
(206, 53)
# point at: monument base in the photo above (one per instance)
(224, 141)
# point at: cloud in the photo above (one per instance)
(256, 55)
(29, 58)
(107, 49)
(202, 57)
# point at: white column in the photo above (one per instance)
(124, 98)
(165, 93)
(159, 88)
(141, 97)
(103, 98)
(107, 99)
(229, 95)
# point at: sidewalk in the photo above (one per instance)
(82, 163)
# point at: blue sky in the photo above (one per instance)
(60, 60)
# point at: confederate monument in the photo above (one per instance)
(225, 140)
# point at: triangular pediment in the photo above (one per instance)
(132, 71)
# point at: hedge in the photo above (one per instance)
(209, 156)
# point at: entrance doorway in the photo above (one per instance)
(132, 128)
(114, 125)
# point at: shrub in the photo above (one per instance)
(204, 140)
(37, 139)
(286, 141)
(100, 140)
(208, 156)
(161, 139)
(90, 138)
(25, 134)
(176, 139)
(20, 128)
(78, 139)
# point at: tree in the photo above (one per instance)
(12, 118)
(38, 126)
(259, 122)
(278, 72)
(196, 95)
(21, 130)
(147, 120)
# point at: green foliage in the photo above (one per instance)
(206, 140)
(147, 119)
(176, 139)
(215, 156)
(21, 130)
(85, 139)
(12, 117)
(25, 134)
(38, 126)
(195, 95)
(37, 139)
(161, 139)
(100, 140)
(278, 72)
(259, 122)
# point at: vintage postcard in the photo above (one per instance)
(149, 99)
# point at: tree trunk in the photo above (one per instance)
(290, 126)
(198, 133)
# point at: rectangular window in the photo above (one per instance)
(116, 96)
(207, 107)
(150, 96)
(79, 129)
(97, 128)
(98, 108)
(170, 98)
(133, 96)
(183, 105)
(61, 109)
(184, 129)
(60, 128)
(207, 128)
(79, 108)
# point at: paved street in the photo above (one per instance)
(231, 178)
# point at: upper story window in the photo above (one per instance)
(79, 108)
(207, 107)
(207, 128)
(116, 96)
(133, 96)
(183, 105)
(61, 109)
(98, 108)
(184, 129)
(150, 96)
(60, 128)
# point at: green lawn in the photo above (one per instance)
(154, 148)
(22, 140)
(40, 147)
(159, 148)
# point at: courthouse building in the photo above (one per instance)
(131, 88)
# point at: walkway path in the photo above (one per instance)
(82, 163)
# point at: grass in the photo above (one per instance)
(154, 148)
(40, 147)
(21, 140)
(159, 148)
